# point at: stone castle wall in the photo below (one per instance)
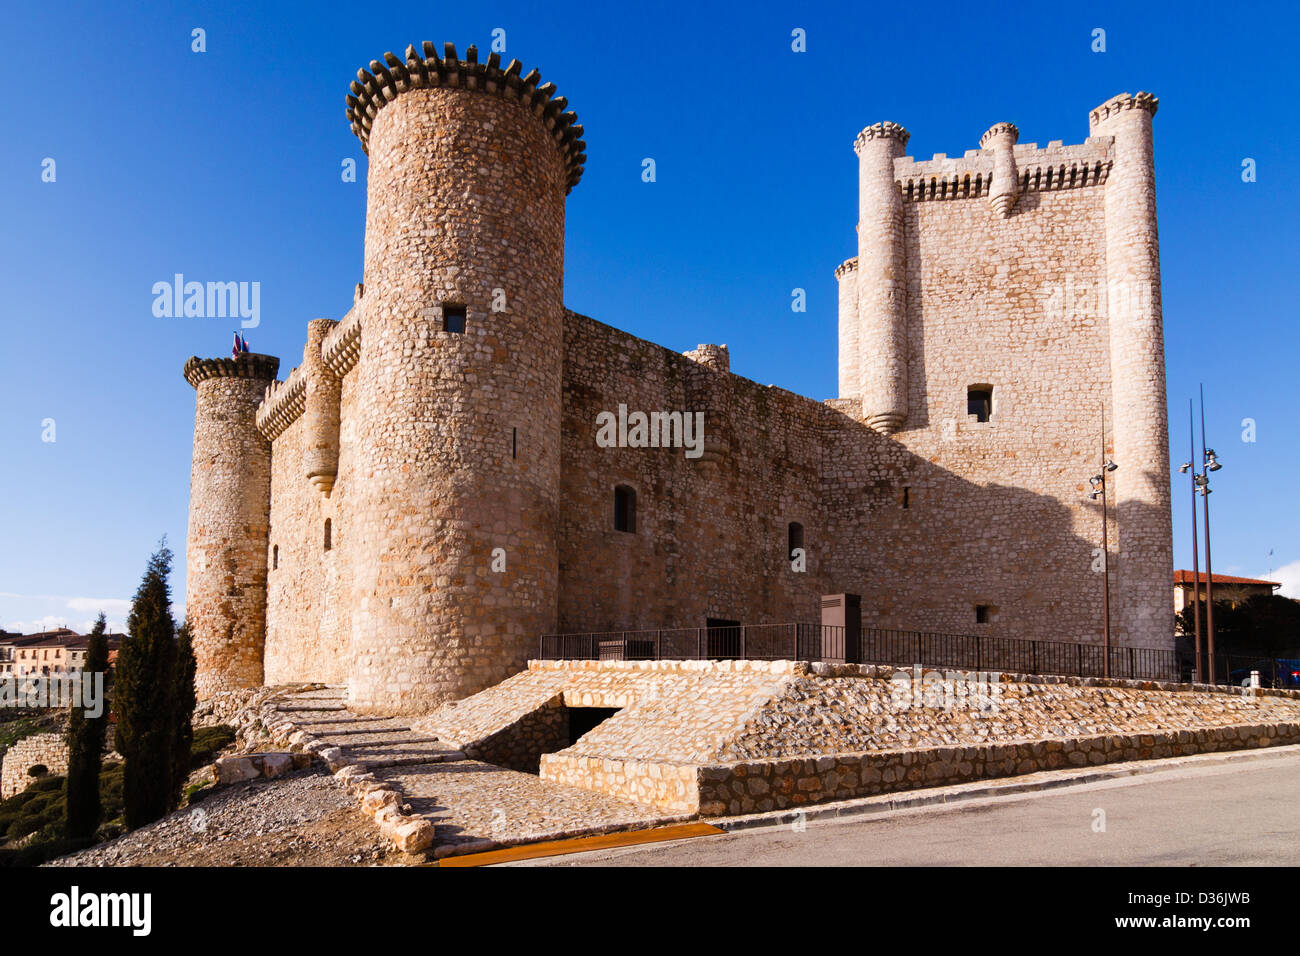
(710, 538)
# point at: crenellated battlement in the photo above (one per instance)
(884, 130)
(1037, 170)
(283, 405)
(1120, 103)
(845, 267)
(342, 346)
(384, 82)
(248, 365)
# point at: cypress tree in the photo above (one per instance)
(185, 701)
(86, 736)
(144, 698)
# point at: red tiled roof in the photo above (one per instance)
(1185, 577)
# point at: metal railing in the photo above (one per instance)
(762, 642)
(821, 642)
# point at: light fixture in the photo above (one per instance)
(1095, 480)
(1182, 469)
(1111, 466)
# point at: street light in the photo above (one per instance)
(1183, 469)
(1098, 482)
(1209, 463)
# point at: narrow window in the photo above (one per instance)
(329, 543)
(275, 557)
(979, 402)
(514, 443)
(794, 538)
(984, 613)
(907, 498)
(453, 318)
(624, 509)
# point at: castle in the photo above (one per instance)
(424, 496)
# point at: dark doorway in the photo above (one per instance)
(723, 638)
(584, 719)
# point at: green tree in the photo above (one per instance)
(86, 735)
(144, 697)
(184, 701)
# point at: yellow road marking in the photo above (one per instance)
(604, 841)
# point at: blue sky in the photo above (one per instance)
(225, 165)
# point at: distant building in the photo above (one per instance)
(1234, 590)
(49, 653)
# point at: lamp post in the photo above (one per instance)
(1098, 482)
(1183, 469)
(1209, 463)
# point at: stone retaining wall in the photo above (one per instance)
(47, 750)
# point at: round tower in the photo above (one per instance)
(1001, 139)
(321, 410)
(846, 275)
(230, 514)
(1144, 615)
(457, 427)
(881, 279)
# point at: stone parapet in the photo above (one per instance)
(248, 365)
(384, 82)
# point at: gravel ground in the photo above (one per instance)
(304, 819)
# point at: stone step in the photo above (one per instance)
(414, 760)
(309, 708)
(329, 734)
(344, 720)
(393, 742)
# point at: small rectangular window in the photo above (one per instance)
(979, 402)
(907, 498)
(453, 318)
(624, 509)
(984, 613)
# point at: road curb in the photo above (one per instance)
(1009, 786)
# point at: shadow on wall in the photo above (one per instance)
(924, 547)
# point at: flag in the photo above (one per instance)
(243, 344)
(234, 352)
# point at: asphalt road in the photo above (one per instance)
(1244, 813)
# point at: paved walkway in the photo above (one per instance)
(474, 806)
(1197, 811)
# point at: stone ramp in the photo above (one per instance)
(667, 710)
(427, 796)
(477, 806)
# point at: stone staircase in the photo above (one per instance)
(425, 794)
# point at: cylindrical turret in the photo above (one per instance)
(457, 431)
(850, 377)
(1140, 598)
(230, 513)
(882, 279)
(1001, 139)
(321, 410)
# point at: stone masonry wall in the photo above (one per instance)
(47, 750)
(456, 436)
